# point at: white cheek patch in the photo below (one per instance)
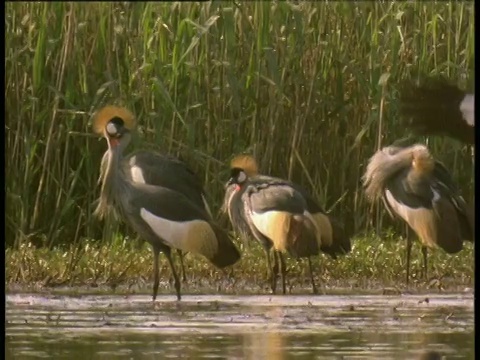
(195, 236)
(111, 129)
(467, 107)
(241, 177)
(137, 174)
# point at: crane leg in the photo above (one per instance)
(174, 273)
(273, 279)
(269, 265)
(184, 274)
(312, 280)
(274, 273)
(284, 272)
(409, 250)
(156, 272)
(424, 252)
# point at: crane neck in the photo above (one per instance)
(113, 181)
(114, 173)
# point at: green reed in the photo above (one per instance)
(309, 88)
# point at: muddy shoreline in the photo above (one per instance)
(228, 287)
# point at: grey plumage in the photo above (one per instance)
(332, 240)
(149, 167)
(418, 189)
(164, 217)
(275, 214)
(340, 242)
(433, 106)
(335, 241)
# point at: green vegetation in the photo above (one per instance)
(308, 88)
(126, 265)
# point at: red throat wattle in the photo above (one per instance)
(237, 187)
(113, 142)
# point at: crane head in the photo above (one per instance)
(422, 160)
(115, 130)
(247, 163)
(238, 177)
(113, 123)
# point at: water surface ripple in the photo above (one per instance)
(239, 327)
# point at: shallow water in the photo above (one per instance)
(239, 327)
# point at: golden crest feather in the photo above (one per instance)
(422, 159)
(245, 162)
(107, 113)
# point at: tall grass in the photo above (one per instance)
(303, 86)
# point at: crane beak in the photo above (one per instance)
(232, 182)
(114, 140)
(229, 182)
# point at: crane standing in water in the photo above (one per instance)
(165, 218)
(149, 167)
(256, 203)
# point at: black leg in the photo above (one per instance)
(312, 280)
(156, 271)
(273, 279)
(424, 252)
(269, 265)
(184, 274)
(284, 272)
(409, 250)
(174, 272)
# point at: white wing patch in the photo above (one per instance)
(402, 210)
(137, 174)
(195, 236)
(467, 107)
(421, 220)
(274, 225)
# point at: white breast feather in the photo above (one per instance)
(194, 236)
(137, 174)
(405, 212)
(262, 222)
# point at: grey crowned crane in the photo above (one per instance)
(334, 240)
(148, 167)
(165, 218)
(433, 106)
(419, 190)
(268, 194)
